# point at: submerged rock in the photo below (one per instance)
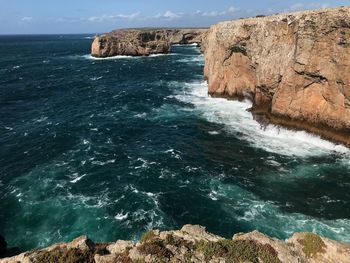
(143, 42)
(294, 67)
(194, 244)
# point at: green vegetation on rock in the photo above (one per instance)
(147, 236)
(239, 251)
(312, 245)
(155, 247)
(66, 256)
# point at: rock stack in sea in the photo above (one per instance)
(143, 42)
(193, 244)
(294, 67)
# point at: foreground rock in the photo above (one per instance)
(143, 42)
(294, 67)
(194, 244)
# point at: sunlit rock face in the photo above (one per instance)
(294, 67)
(194, 244)
(143, 42)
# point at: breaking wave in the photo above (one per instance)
(238, 121)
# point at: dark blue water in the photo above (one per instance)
(113, 147)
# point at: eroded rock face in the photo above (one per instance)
(294, 67)
(194, 244)
(143, 42)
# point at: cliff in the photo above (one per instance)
(294, 67)
(194, 244)
(143, 42)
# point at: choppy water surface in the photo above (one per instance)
(112, 147)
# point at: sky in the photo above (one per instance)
(99, 16)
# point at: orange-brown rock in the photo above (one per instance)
(143, 42)
(294, 67)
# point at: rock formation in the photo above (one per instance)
(193, 244)
(294, 67)
(143, 42)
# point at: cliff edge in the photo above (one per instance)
(193, 244)
(294, 67)
(143, 42)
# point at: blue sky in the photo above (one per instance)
(97, 16)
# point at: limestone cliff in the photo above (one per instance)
(143, 42)
(194, 244)
(294, 67)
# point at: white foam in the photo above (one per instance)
(77, 179)
(174, 153)
(96, 78)
(120, 216)
(245, 207)
(240, 122)
(100, 163)
(186, 45)
(160, 55)
(191, 59)
(107, 58)
(90, 57)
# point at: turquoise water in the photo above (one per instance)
(113, 147)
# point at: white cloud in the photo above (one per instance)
(231, 10)
(26, 19)
(169, 15)
(104, 18)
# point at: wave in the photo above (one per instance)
(239, 122)
(90, 57)
(96, 78)
(160, 55)
(248, 209)
(186, 45)
(199, 59)
(77, 179)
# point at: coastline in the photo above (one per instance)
(193, 244)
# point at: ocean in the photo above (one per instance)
(114, 147)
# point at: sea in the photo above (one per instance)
(111, 148)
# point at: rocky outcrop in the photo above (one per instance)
(143, 42)
(294, 67)
(193, 244)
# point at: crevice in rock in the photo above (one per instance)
(314, 77)
(240, 48)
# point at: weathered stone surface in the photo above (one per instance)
(194, 244)
(332, 251)
(143, 42)
(120, 246)
(83, 243)
(295, 67)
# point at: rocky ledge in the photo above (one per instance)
(143, 42)
(294, 67)
(193, 244)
